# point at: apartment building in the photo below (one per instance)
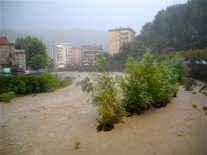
(62, 53)
(76, 56)
(88, 54)
(10, 56)
(119, 36)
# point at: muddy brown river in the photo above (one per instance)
(52, 123)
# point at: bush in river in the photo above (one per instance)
(6, 97)
(147, 83)
(105, 96)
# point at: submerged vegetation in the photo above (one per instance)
(105, 96)
(147, 83)
(6, 97)
(77, 145)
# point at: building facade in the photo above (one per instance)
(119, 36)
(76, 56)
(88, 54)
(62, 54)
(10, 56)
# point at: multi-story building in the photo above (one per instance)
(62, 54)
(76, 56)
(10, 56)
(119, 36)
(88, 54)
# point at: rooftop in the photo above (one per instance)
(122, 28)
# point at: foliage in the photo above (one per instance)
(136, 97)
(179, 67)
(189, 55)
(65, 82)
(105, 96)
(148, 83)
(77, 145)
(33, 47)
(26, 84)
(38, 62)
(6, 97)
(179, 27)
(189, 84)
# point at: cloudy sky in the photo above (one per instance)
(67, 14)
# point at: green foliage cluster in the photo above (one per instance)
(189, 55)
(105, 96)
(179, 67)
(38, 62)
(36, 56)
(148, 83)
(179, 27)
(189, 84)
(26, 84)
(6, 97)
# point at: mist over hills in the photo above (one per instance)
(76, 37)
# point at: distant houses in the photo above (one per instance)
(10, 57)
(65, 55)
(88, 54)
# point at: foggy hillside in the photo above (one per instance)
(76, 37)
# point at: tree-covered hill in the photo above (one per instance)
(179, 27)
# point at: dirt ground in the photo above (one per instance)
(51, 123)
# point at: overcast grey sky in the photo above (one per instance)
(67, 14)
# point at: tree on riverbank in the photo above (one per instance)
(35, 51)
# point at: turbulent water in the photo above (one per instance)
(51, 124)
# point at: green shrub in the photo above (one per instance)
(179, 67)
(189, 84)
(168, 85)
(6, 97)
(17, 84)
(148, 83)
(136, 96)
(65, 82)
(4, 84)
(26, 84)
(105, 96)
(49, 82)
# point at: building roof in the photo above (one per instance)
(4, 41)
(92, 47)
(121, 28)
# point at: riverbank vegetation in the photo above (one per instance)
(33, 83)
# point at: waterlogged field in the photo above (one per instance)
(63, 122)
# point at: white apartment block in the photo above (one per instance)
(62, 53)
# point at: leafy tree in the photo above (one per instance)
(179, 27)
(32, 46)
(38, 62)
